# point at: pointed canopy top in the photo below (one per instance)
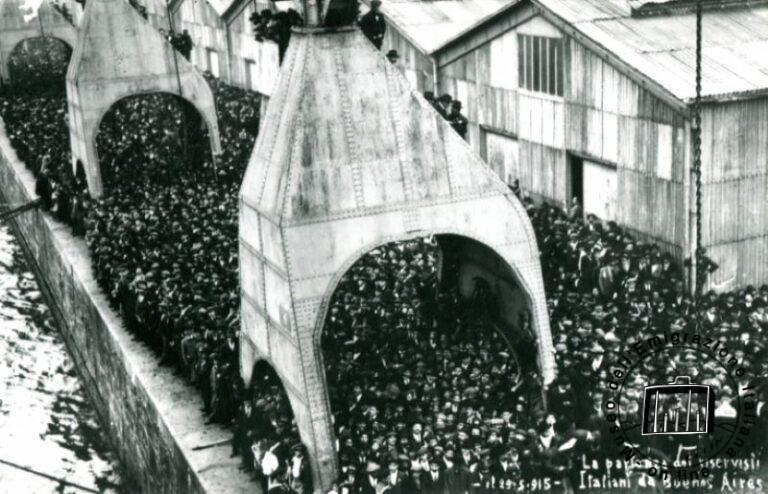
(115, 38)
(307, 165)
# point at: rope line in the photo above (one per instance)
(171, 27)
(47, 476)
(12, 213)
(698, 274)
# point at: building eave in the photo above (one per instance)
(731, 97)
(234, 10)
(641, 79)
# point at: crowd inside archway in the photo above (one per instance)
(37, 66)
(604, 289)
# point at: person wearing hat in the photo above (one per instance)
(456, 476)
(430, 97)
(506, 470)
(457, 120)
(395, 479)
(393, 56)
(373, 26)
(273, 471)
(300, 475)
(372, 483)
(481, 479)
(444, 104)
(433, 481)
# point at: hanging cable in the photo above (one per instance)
(697, 256)
(171, 33)
(184, 130)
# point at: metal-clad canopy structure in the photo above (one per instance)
(18, 23)
(119, 54)
(350, 157)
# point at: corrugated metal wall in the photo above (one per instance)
(735, 191)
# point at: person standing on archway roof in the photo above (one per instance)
(373, 26)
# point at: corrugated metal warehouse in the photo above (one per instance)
(592, 99)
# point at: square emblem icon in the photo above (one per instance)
(678, 408)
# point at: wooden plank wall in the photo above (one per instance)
(735, 191)
(207, 30)
(244, 48)
(604, 115)
(612, 118)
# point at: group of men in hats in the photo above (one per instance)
(275, 26)
(184, 301)
(267, 439)
(450, 110)
(182, 42)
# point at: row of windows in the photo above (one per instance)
(540, 64)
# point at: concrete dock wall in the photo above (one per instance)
(153, 417)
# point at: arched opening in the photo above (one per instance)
(152, 136)
(430, 358)
(266, 425)
(39, 65)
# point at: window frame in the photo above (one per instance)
(541, 65)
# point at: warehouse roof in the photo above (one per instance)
(219, 6)
(430, 25)
(661, 47)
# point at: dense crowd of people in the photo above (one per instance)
(185, 303)
(46, 75)
(427, 393)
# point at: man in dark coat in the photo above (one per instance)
(300, 475)
(395, 479)
(373, 25)
(44, 189)
(506, 471)
(186, 44)
(457, 120)
(433, 482)
(372, 483)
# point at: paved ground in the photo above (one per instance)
(47, 425)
